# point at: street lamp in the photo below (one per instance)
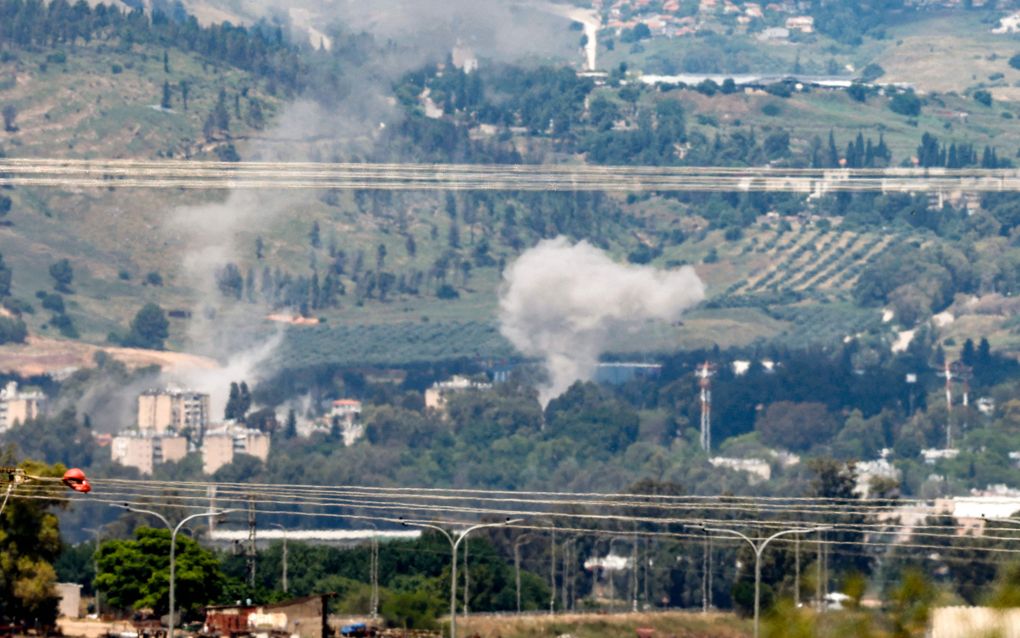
(758, 549)
(284, 530)
(454, 544)
(517, 565)
(173, 545)
(95, 568)
(373, 568)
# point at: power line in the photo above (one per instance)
(74, 173)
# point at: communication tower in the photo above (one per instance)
(704, 373)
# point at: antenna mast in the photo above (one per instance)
(704, 374)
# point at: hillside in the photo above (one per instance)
(398, 278)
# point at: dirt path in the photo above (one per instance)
(591, 21)
(41, 355)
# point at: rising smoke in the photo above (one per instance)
(560, 302)
(346, 126)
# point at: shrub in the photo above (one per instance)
(446, 291)
(906, 103)
(12, 330)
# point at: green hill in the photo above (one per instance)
(395, 278)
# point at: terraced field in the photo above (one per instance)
(809, 260)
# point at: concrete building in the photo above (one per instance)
(16, 406)
(435, 397)
(145, 451)
(221, 444)
(173, 409)
(348, 412)
(70, 600)
(346, 409)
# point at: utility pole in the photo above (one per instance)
(466, 583)
(250, 550)
(552, 573)
(375, 577)
(517, 566)
(647, 570)
(95, 568)
(796, 572)
(818, 574)
(704, 574)
(704, 373)
(283, 578)
(634, 575)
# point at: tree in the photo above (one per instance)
(244, 401)
(135, 573)
(12, 330)
(233, 400)
(29, 543)
(184, 94)
(290, 429)
(165, 102)
(796, 426)
(256, 118)
(5, 205)
(230, 281)
(149, 328)
(983, 97)
(906, 103)
(62, 274)
(220, 115)
(6, 274)
(10, 115)
(1015, 61)
(315, 236)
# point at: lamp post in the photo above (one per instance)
(454, 544)
(95, 568)
(758, 549)
(284, 576)
(173, 546)
(374, 569)
(517, 566)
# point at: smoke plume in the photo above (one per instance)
(560, 302)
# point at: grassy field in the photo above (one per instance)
(664, 625)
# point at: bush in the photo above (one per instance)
(65, 325)
(707, 87)
(12, 330)
(872, 72)
(53, 302)
(19, 306)
(983, 97)
(116, 69)
(779, 89)
(906, 103)
(154, 279)
(771, 109)
(1015, 61)
(446, 291)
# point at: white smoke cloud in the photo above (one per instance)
(560, 302)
